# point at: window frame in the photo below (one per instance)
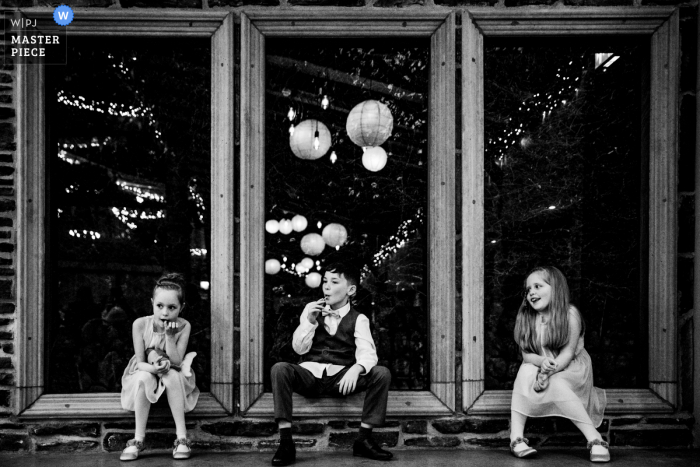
(30, 400)
(256, 25)
(661, 25)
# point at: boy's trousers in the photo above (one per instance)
(290, 377)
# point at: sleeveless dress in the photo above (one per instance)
(154, 387)
(570, 393)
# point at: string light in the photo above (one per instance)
(291, 129)
(334, 157)
(291, 114)
(84, 234)
(325, 102)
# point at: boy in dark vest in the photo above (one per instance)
(338, 357)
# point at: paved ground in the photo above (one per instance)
(412, 458)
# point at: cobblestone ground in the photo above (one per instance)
(406, 458)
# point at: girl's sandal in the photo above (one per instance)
(181, 449)
(601, 453)
(132, 450)
(523, 451)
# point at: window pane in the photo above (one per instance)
(128, 184)
(564, 186)
(383, 212)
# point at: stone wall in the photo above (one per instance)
(461, 432)
(233, 434)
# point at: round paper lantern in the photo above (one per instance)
(335, 235)
(272, 266)
(285, 226)
(299, 223)
(302, 140)
(312, 244)
(300, 269)
(307, 262)
(374, 159)
(272, 226)
(369, 123)
(313, 279)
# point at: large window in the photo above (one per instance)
(565, 185)
(129, 180)
(413, 287)
(648, 280)
(118, 161)
(374, 218)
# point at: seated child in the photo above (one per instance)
(338, 358)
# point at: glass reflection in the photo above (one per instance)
(564, 185)
(128, 198)
(368, 206)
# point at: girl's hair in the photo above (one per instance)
(557, 334)
(172, 281)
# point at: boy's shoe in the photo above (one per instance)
(370, 449)
(286, 454)
(599, 450)
(520, 447)
(132, 450)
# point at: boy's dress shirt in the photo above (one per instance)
(365, 352)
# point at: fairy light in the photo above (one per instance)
(86, 234)
(541, 103)
(403, 234)
(334, 157)
(325, 102)
(198, 200)
(198, 251)
(141, 191)
(291, 129)
(127, 216)
(291, 115)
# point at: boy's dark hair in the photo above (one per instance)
(347, 270)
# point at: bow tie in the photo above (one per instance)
(333, 313)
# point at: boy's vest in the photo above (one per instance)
(338, 349)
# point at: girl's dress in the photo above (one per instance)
(570, 393)
(154, 386)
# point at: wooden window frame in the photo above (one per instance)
(661, 25)
(30, 400)
(439, 26)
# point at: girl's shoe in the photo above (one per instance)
(599, 450)
(132, 450)
(181, 449)
(520, 448)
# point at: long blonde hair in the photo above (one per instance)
(557, 334)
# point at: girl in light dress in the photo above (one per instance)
(160, 365)
(556, 376)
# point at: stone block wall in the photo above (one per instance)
(231, 434)
(459, 432)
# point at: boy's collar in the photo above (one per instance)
(343, 310)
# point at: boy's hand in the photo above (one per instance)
(313, 309)
(349, 381)
(548, 365)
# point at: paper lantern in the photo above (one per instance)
(313, 279)
(307, 262)
(303, 138)
(272, 226)
(285, 226)
(272, 266)
(312, 244)
(334, 235)
(299, 223)
(374, 159)
(300, 269)
(369, 123)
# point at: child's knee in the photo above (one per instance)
(381, 373)
(281, 369)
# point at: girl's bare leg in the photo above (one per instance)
(142, 407)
